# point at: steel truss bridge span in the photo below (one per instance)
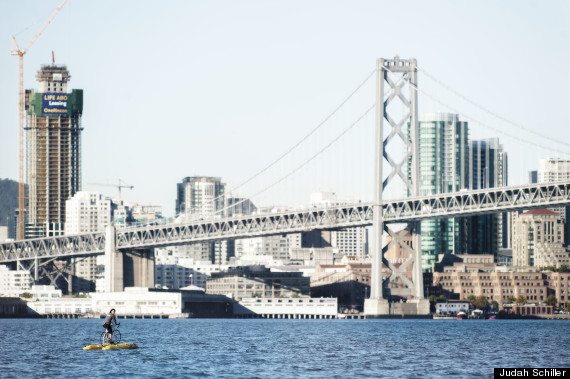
(457, 204)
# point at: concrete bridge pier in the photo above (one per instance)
(126, 268)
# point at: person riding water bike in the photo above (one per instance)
(107, 324)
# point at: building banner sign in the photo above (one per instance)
(54, 103)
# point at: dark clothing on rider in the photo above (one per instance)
(110, 317)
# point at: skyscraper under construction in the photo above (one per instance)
(53, 155)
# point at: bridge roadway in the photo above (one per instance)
(457, 204)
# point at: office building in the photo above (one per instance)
(53, 155)
(86, 212)
(538, 237)
(444, 167)
(277, 247)
(247, 282)
(239, 206)
(488, 169)
(477, 275)
(202, 197)
(14, 282)
(349, 241)
(533, 177)
(557, 170)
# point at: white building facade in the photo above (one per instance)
(14, 282)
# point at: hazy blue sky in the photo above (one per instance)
(220, 88)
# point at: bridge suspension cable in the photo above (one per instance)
(306, 137)
(487, 126)
(494, 114)
(483, 124)
(303, 164)
(219, 211)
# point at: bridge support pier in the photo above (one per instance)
(128, 268)
(390, 149)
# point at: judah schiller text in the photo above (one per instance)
(530, 373)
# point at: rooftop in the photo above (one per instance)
(541, 211)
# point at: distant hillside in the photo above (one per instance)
(8, 199)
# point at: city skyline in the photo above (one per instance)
(289, 78)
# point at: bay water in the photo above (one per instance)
(262, 348)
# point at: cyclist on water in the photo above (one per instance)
(107, 324)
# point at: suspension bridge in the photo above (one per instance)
(396, 159)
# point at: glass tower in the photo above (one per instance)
(488, 169)
(444, 167)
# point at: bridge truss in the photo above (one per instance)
(457, 204)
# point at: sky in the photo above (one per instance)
(222, 88)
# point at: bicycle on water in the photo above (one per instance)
(108, 336)
(116, 336)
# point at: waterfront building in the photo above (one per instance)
(53, 132)
(477, 275)
(12, 307)
(14, 281)
(538, 237)
(137, 302)
(243, 282)
(452, 307)
(61, 306)
(444, 167)
(557, 170)
(349, 283)
(487, 169)
(297, 308)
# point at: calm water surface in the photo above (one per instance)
(283, 348)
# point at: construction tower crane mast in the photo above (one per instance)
(118, 186)
(20, 53)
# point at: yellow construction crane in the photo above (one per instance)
(20, 53)
(118, 186)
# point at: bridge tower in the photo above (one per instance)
(397, 74)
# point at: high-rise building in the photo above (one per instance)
(533, 177)
(53, 153)
(488, 169)
(444, 167)
(557, 170)
(239, 206)
(348, 241)
(202, 197)
(86, 212)
(537, 239)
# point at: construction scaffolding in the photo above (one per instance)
(53, 151)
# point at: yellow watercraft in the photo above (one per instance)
(128, 345)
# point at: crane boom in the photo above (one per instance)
(117, 186)
(45, 25)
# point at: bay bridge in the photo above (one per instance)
(136, 244)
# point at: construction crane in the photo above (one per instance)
(20, 53)
(118, 186)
